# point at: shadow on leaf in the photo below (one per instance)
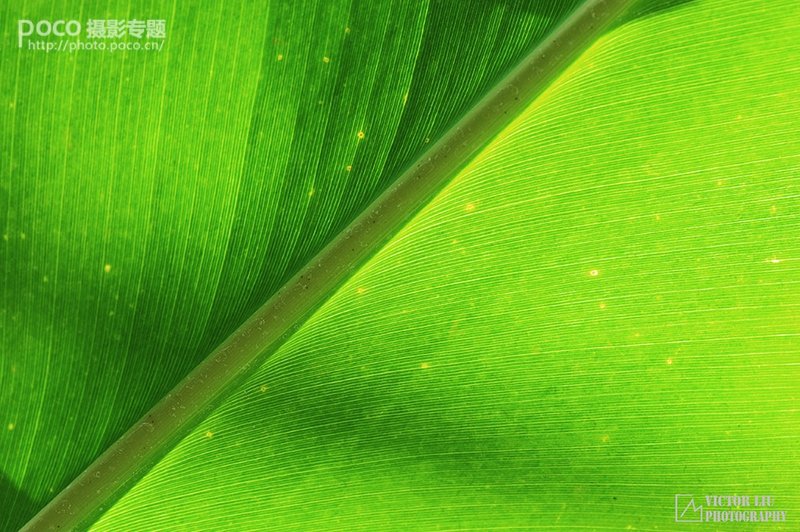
(17, 507)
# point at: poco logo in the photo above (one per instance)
(45, 28)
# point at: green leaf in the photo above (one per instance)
(152, 201)
(597, 314)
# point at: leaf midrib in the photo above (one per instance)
(148, 440)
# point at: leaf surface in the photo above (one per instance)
(151, 201)
(597, 314)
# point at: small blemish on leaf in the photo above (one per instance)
(424, 365)
(209, 434)
(280, 57)
(360, 135)
(107, 268)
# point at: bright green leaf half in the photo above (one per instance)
(599, 313)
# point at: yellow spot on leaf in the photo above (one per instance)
(594, 273)
(347, 30)
(209, 434)
(326, 59)
(263, 388)
(10, 426)
(602, 306)
(280, 57)
(669, 361)
(349, 167)
(311, 192)
(424, 365)
(360, 135)
(361, 290)
(107, 268)
(469, 207)
(604, 438)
